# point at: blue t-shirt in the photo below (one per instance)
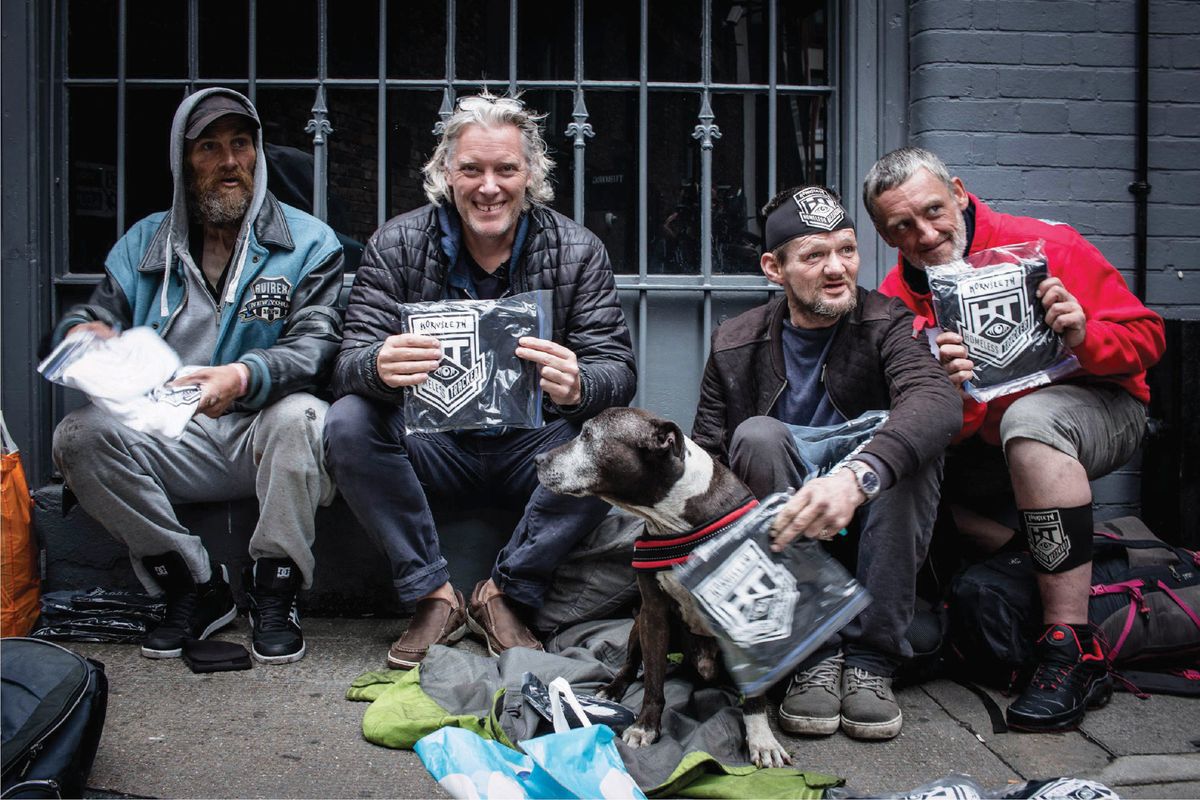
(804, 400)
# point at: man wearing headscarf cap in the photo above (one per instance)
(823, 353)
(244, 287)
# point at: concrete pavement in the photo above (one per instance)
(287, 731)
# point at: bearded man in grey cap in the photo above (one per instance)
(245, 288)
(823, 353)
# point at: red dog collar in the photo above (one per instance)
(654, 554)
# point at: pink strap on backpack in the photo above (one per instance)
(1138, 603)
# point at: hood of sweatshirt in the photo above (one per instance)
(178, 252)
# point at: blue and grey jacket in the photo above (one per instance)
(278, 311)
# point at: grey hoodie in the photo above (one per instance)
(193, 332)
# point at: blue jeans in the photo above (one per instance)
(888, 541)
(391, 480)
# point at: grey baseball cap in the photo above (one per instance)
(212, 108)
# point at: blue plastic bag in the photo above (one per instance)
(580, 763)
(468, 766)
(585, 762)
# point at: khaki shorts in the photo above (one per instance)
(1099, 425)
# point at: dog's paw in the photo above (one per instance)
(613, 692)
(769, 754)
(765, 749)
(637, 736)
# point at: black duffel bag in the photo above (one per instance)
(52, 707)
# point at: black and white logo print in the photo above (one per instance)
(283, 572)
(461, 375)
(267, 299)
(1073, 789)
(1048, 542)
(750, 596)
(817, 209)
(177, 395)
(997, 321)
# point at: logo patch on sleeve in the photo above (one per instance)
(268, 299)
(463, 369)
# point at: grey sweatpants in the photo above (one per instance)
(127, 480)
(893, 533)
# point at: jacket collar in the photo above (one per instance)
(270, 229)
(450, 226)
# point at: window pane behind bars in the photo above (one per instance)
(224, 39)
(416, 39)
(286, 46)
(157, 34)
(92, 176)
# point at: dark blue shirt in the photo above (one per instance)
(804, 400)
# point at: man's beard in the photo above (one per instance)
(213, 205)
(958, 245)
(837, 310)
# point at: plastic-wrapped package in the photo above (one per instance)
(991, 300)
(480, 382)
(127, 375)
(98, 615)
(768, 611)
(957, 786)
(824, 448)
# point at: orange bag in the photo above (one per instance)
(19, 582)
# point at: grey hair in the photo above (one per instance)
(495, 112)
(896, 168)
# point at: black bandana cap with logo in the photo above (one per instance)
(812, 210)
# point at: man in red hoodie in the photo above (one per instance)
(1053, 439)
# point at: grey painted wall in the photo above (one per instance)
(1032, 104)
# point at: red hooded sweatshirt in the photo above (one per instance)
(1123, 339)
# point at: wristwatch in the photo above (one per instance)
(868, 478)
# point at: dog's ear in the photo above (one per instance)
(668, 438)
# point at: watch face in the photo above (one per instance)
(869, 481)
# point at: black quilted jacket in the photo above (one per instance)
(874, 363)
(405, 261)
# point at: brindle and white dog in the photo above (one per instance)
(645, 465)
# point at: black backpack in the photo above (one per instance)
(1145, 604)
(52, 707)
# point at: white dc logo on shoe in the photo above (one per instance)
(283, 572)
(161, 571)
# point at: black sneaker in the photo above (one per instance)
(194, 611)
(1065, 685)
(273, 614)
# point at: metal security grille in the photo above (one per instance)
(670, 122)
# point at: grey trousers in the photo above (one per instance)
(893, 534)
(127, 480)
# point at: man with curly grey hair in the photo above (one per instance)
(487, 232)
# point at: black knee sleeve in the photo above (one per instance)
(1059, 538)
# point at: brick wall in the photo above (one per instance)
(1032, 104)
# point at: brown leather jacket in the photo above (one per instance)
(874, 363)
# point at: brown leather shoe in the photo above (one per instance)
(435, 621)
(492, 618)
